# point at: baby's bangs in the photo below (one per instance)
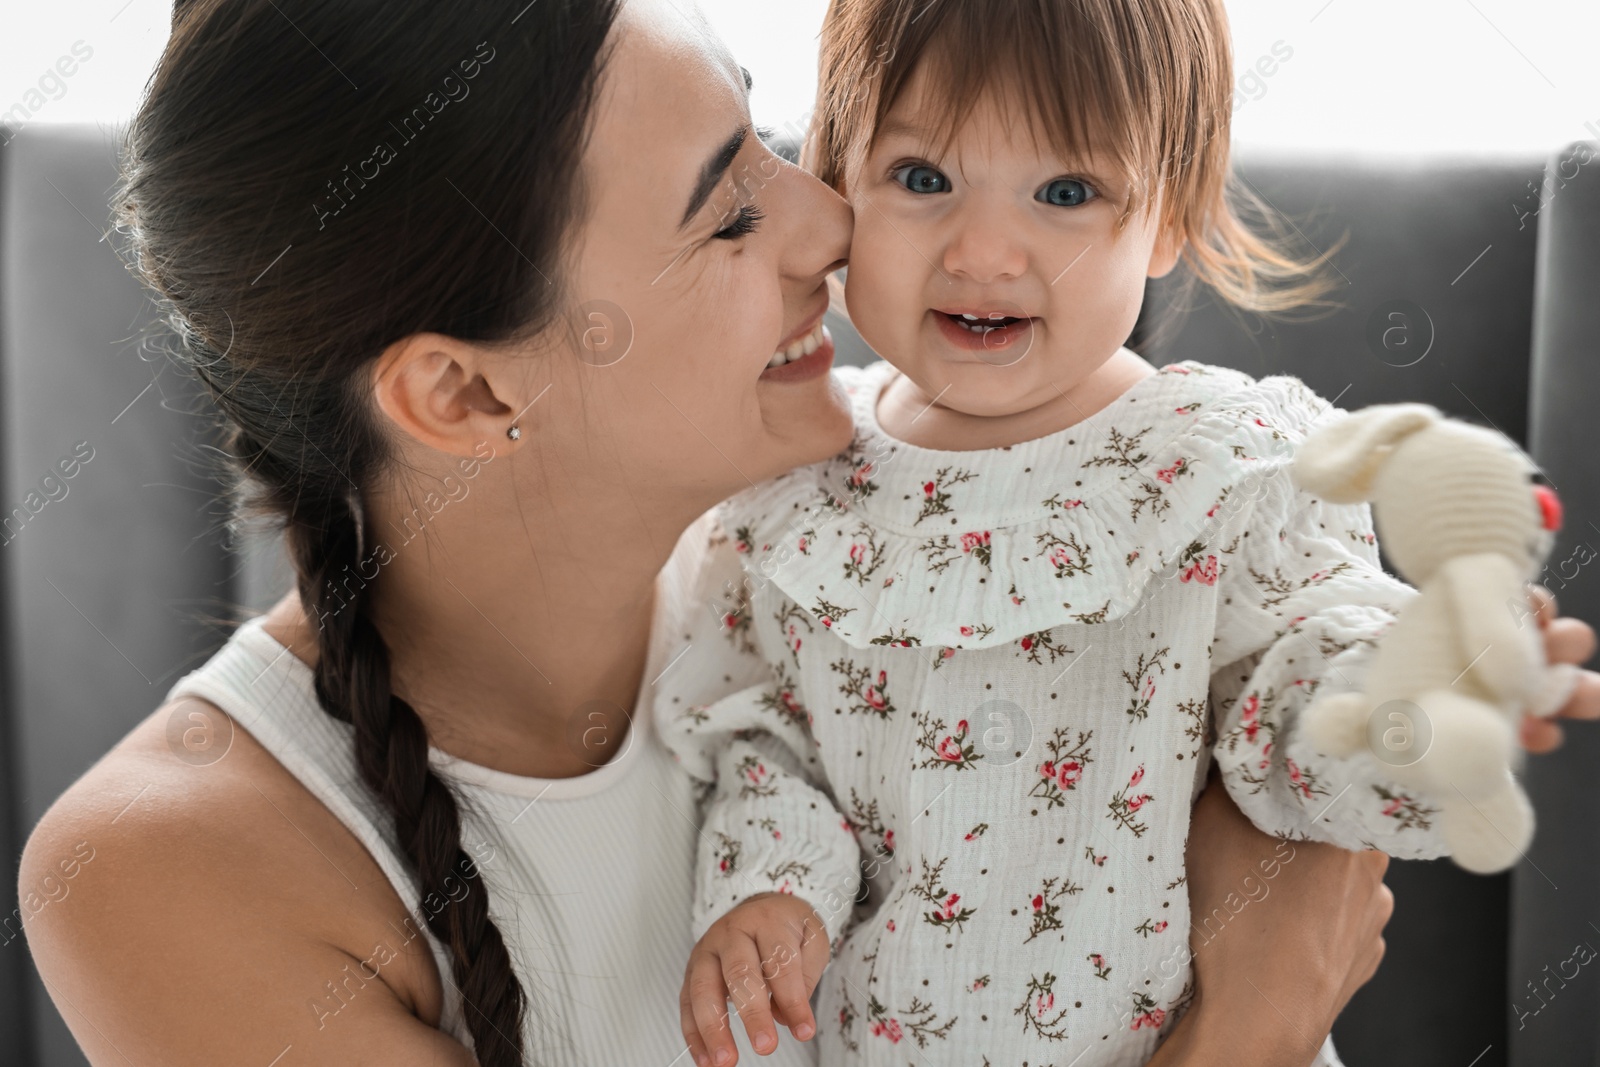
(1080, 77)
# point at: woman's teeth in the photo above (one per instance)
(800, 348)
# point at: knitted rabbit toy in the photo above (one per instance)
(1457, 511)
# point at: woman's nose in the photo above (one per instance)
(823, 224)
(983, 246)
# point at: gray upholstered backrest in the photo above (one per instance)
(1556, 895)
(106, 586)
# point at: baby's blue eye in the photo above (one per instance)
(1065, 192)
(921, 179)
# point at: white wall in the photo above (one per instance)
(1387, 75)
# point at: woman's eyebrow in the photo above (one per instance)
(712, 173)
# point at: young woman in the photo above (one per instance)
(487, 294)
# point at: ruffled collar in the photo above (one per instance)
(893, 544)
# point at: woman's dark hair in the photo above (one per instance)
(304, 184)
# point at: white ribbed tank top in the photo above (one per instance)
(590, 878)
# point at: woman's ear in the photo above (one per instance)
(438, 390)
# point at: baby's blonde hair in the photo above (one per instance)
(1148, 82)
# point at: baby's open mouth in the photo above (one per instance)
(982, 324)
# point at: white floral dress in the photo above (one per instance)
(962, 702)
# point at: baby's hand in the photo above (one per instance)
(772, 946)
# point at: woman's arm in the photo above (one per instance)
(1308, 935)
(220, 914)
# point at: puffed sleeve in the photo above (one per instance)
(1303, 602)
(735, 722)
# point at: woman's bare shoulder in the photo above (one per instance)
(165, 892)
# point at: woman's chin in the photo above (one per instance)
(809, 424)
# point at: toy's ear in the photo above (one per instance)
(1340, 461)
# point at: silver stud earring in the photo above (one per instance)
(515, 433)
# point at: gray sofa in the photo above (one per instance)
(116, 580)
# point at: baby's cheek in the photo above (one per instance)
(882, 290)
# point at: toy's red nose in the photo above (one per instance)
(1549, 506)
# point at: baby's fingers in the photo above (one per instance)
(786, 977)
(704, 1005)
(747, 986)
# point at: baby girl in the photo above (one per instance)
(971, 674)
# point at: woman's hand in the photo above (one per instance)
(1565, 641)
(765, 955)
(1283, 934)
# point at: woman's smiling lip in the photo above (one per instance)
(805, 327)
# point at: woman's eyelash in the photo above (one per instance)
(744, 223)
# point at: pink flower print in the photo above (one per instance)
(947, 653)
(927, 489)
(970, 541)
(741, 546)
(860, 475)
(1066, 505)
(790, 704)
(1297, 780)
(1393, 806)
(890, 925)
(889, 1028)
(1098, 960)
(1152, 1019)
(966, 631)
(730, 620)
(857, 554)
(827, 623)
(980, 983)
(949, 751)
(1100, 861)
(757, 773)
(1027, 644)
(1166, 473)
(1060, 558)
(1205, 573)
(1250, 718)
(845, 824)
(1262, 424)
(722, 865)
(888, 843)
(1043, 1003)
(948, 911)
(1175, 368)
(1064, 774)
(1038, 902)
(1184, 410)
(803, 543)
(873, 694)
(1149, 688)
(1135, 803)
(794, 638)
(1160, 926)
(1138, 776)
(1212, 510)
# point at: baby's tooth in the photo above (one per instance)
(775, 361)
(813, 343)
